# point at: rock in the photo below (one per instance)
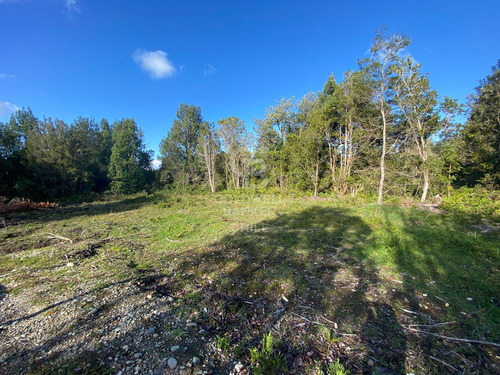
(150, 331)
(469, 299)
(125, 347)
(191, 325)
(175, 348)
(335, 325)
(137, 355)
(196, 361)
(371, 363)
(239, 367)
(172, 363)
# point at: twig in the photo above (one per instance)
(169, 240)
(456, 338)
(56, 236)
(412, 312)
(321, 324)
(439, 298)
(429, 325)
(444, 363)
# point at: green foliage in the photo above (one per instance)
(222, 343)
(267, 360)
(482, 134)
(181, 161)
(334, 368)
(474, 202)
(129, 161)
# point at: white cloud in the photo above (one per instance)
(209, 70)
(155, 63)
(71, 6)
(7, 108)
(5, 76)
(156, 164)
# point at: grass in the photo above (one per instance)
(359, 265)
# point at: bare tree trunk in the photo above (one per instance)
(382, 158)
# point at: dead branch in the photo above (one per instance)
(455, 338)
(444, 363)
(56, 236)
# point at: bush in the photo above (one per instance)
(474, 202)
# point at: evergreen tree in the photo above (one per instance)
(129, 161)
(181, 162)
(482, 134)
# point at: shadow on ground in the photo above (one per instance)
(290, 276)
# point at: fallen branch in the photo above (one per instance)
(456, 338)
(56, 236)
(321, 324)
(428, 325)
(444, 363)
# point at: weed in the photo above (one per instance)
(335, 368)
(222, 343)
(178, 333)
(267, 360)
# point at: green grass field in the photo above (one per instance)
(329, 279)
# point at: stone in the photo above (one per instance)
(191, 325)
(371, 363)
(196, 361)
(172, 363)
(239, 367)
(137, 355)
(175, 348)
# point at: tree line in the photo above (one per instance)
(382, 130)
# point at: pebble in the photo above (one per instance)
(175, 348)
(138, 355)
(172, 363)
(371, 363)
(196, 361)
(151, 331)
(190, 324)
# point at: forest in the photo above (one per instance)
(380, 132)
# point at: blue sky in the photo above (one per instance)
(116, 59)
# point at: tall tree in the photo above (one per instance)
(346, 112)
(482, 133)
(233, 134)
(210, 146)
(179, 150)
(417, 103)
(280, 121)
(384, 57)
(129, 161)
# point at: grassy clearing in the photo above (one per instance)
(367, 272)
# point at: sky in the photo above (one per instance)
(119, 59)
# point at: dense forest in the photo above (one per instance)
(381, 131)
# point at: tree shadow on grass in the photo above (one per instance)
(304, 263)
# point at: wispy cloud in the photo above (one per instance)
(7, 108)
(209, 70)
(71, 6)
(5, 76)
(155, 63)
